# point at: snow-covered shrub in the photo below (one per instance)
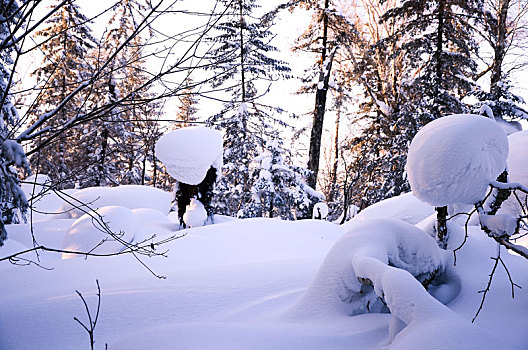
(351, 279)
(453, 159)
(106, 230)
(12, 154)
(12, 197)
(128, 196)
(192, 156)
(188, 153)
(280, 189)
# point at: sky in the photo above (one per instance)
(282, 93)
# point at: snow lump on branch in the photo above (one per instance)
(188, 153)
(454, 158)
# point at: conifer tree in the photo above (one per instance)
(437, 46)
(502, 28)
(129, 128)
(280, 189)
(67, 39)
(187, 107)
(11, 153)
(242, 63)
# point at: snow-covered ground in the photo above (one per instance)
(273, 284)
(251, 284)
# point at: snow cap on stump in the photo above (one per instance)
(454, 158)
(188, 153)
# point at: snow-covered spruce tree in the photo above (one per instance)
(131, 122)
(501, 30)
(414, 66)
(240, 146)
(240, 59)
(187, 107)
(11, 153)
(280, 189)
(65, 43)
(437, 44)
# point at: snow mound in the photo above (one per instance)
(365, 253)
(405, 207)
(128, 196)
(320, 211)
(91, 232)
(150, 216)
(195, 214)
(188, 153)
(454, 158)
(45, 204)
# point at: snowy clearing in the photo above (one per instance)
(238, 285)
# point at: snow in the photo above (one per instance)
(336, 290)
(500, 224)
(188, 153)
(44, 203)
(454, 158)
(405, 207)
(104, 231)
(128, 196)
(195, 214)
(266, 284)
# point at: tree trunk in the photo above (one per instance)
(500, 45)
(318, 120)
(438, 56)
(441, 226)
(320, 104)
(104, 145)
(333, 176)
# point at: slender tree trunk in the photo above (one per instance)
(333, 176)
(104, 145)
(500, 45)
(242, 73)
(320, 106)
(438, 57)
(155, 161)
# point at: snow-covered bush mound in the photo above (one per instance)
(454, 158)
(195, 214)
(153, 222)
(42, 200)
(104, 231)
(188, 153)
(34, 185)
(365, 253)
(129, 196)
(405, 207)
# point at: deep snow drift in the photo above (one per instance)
(240, 285)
